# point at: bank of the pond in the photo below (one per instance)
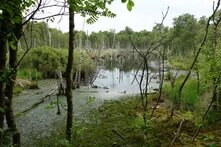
(36, 114)
(120, 123)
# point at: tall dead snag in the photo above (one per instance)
(196, 56)
(69, 80)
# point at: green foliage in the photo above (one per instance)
(184, 34)
(83, 60)
(208, 137)
(90, 100)
(210, 65)
(17, 90)
(198, 122)
(2, 110)
(180, 62)
(212, 145)
(130, 5)
(4, 74)
(40, 35)
(92, 8)
(187, 115)
(64, 143)
(138, 122)
(172, 92)
(189, 94)
(47, 60)
(212, 117)
(25, 73)
(121, 116)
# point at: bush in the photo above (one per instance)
(29, 74)
(47, 60)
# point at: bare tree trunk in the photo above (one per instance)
(69, 75)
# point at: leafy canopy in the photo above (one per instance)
(95, 8)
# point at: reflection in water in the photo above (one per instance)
(112, 84)
(118, 81)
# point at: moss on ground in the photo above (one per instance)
(119, 123)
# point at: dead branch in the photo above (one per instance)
(177, 133)
(50, 16)
(119, 134)
(37, 103)
(95, 77)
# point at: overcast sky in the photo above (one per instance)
(143, 16)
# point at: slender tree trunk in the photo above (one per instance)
(69, 75)
(3, 48)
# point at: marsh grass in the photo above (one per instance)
(190, 96)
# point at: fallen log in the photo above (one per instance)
(37, 103)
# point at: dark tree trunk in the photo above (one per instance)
(3, 44)
(9, 108)
(10, 86)
(13, 47)
(69, 75)
(3, 52)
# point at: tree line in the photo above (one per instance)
(182, 37)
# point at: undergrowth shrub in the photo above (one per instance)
(48, 60)
(31, 74)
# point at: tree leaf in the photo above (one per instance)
(130, 5)
(123, 1)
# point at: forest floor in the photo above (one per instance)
(120, 123)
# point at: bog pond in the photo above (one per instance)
(38, 121)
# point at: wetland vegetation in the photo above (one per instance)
(128, 88)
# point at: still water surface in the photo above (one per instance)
(115, 83)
